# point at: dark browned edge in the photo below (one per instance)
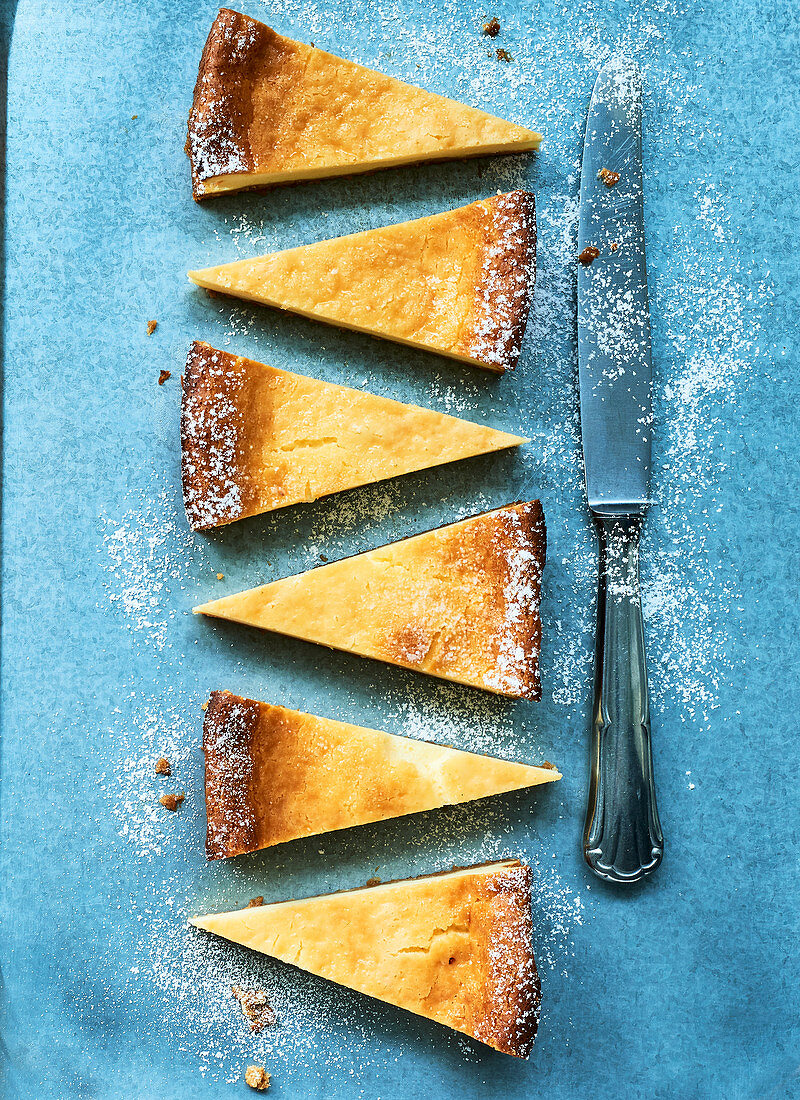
(230, 814)
(519, 256)
(516, 1020)
(194, 384)
(535, 530)
(211, 81)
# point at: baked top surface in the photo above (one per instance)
(274, 774)
(459, 282)
(254, 438)
(460, 602)
(455, 947)
(267, 108)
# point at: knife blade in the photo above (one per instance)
(622, 840)
(613, 310)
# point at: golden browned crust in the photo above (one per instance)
(460, 602)
(247, 431)
(228, 730)
(310, 775)
(494, 331)
(256, 116)
(458, 282)
(499, 557)
(454, 947)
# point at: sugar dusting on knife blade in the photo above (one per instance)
(609, 307)
(613, 310)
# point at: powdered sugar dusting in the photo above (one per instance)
(148, 554)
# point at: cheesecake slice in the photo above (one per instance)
(254, 438)
(454, 947)
(460, 602)
(457, 283)
(274, 774)
(269, 110)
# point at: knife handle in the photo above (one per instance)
(622, 837)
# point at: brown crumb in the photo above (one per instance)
(373, 882)
(151, 327)
(254, 903)
(220, 576)
(257, 1078)
(323, 557)
(172, 801)
(204, 706)
(503, 55)
(591, 252)
(608, 177)
(255, 1006)
(492, 28)
(163, 766)
(134, 117)
(163, 376)
(614, 246)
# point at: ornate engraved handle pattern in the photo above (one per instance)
(622, 837)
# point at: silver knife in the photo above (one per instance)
(622, 836)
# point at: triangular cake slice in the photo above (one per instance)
(457, 283)
(453, 947)
(274, 774)
(254, 438)
(460, 602)
(270, 110)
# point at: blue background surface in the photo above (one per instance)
(686, 987)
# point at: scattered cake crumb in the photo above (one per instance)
(255, 1006)
(163, 766)
(220, 576)
(134, 117)
(151, 327)
(373, 882)
(172, 801)
(614, 246)
(204, 706)
(257, 1078)
(591, 252)
(608, 177)
(492, 28)
(503, 55)
(253, 903)
(163, 376)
